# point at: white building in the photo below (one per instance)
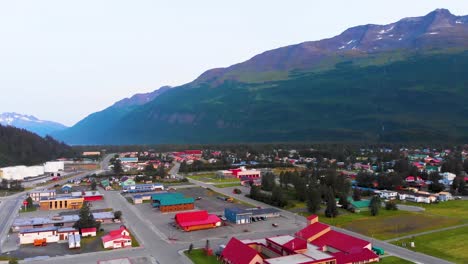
(51, 234)
(54, 166)
(448, 176)
(389, 195)
(41, 195)
(74, 241)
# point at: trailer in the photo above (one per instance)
(74, 241)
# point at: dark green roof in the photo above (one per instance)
(360, 204)
(166, 199)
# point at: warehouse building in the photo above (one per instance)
(61, 203)
(50, 234)
(88, 196)
(172, 202)
(245, 216)
(198, 220)
(57, 221)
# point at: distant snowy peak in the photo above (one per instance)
(31, 123)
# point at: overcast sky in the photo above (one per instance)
(63, 60)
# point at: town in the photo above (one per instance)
(239, 204)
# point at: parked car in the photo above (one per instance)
(198, 198)
(274, 225)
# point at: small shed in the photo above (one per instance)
(67, 188)
(88, 232)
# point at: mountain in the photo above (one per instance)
(101, 122)
(21, 147)
(30, 123)
(401, 82)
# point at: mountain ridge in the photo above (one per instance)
(30, 123)
(299, 88)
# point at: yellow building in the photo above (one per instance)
(61, 203)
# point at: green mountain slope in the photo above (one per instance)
(21, 147)
(421, 98)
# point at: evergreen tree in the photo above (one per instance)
(277, 197)
(254, 192)
(86, 218)
(313, 199)
(93, 185)
(343, 201)
(332, 209)
(375, 205)
(30, 202)
(117, 167)
(190, 248)
(118, 215)
(356, 194)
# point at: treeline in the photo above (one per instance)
(197, 166)
(21, 147)
(313, 186)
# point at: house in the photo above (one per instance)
(417, 197)
(119, 238)
(106, 185)
(315, 244)
(67, 188)
(358, 206)
(388, 195)
(444, 196)
(88, 232)
(136, 188)
(198, 220)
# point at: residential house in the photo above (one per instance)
(119, 238)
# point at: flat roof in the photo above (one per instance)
(254, 211)
(42, 229)
(115, 261)
(64, 219)
(281, 240)
(291, 259)
(315, 253)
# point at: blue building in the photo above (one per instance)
(245, 216)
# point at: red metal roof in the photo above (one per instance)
(238, 253)
(88, 230)
(312, 217)
(296, 244)
(196, 218)
(311, 230)
(362, 256)
(340, 241)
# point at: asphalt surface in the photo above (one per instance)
(389, 248)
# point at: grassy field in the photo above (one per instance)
(449, 245)
(211, 177)
(197, 256)
(226, 185)
(394, 260)
(389, 224)
(457, 209)
(29, 209)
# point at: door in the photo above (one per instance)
(62, 237)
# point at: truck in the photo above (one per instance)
(227, 199)
(74, 241)
(378, 251)
(40, 242)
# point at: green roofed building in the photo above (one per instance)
(360, 205)
(172, 202)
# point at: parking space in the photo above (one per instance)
(209, 201)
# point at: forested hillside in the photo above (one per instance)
(21, 147)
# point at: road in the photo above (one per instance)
(389, 248)
(10, 205)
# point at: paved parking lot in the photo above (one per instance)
(164, 222)
(60, 249)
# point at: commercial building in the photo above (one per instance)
(88, 232)
(37, 196)
(239, 173)
(54, 166)
(88, 196)
(389, 195)
(172, 202)
(61, 203)
(136, 188)
(91, 153)
(59, 221)
(198, 220)
(244, 216)
(119, 238)
(50, 234)
(315, 244)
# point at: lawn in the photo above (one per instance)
(449, 245)
(394, 260)
(197, 256)
(226, 185)
(455, 209)
(389, 224)
(211, 177)
(29, 209)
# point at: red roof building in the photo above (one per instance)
(314, 244)
(88, 232)
(237, 252)
(119, 238)
(191, 221)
